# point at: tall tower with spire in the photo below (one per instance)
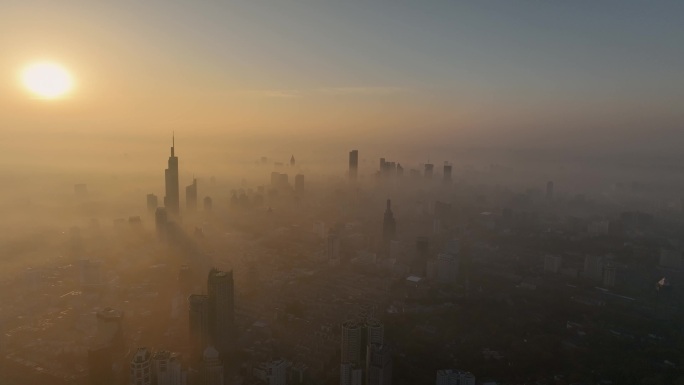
(292, 161)
(172, 197)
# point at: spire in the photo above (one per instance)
(173, 143)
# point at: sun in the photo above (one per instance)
(47, 80)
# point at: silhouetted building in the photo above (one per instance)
(221, 291)
(549, 190)
(191, 195)
(152, 202)
(141, 367)
(208, 203)
(199, 323)
(389, 227)
(172, 197)
(161, 222)
(292, 161)
(353, 164)
(212, 368)
(299, 183)
(429, 170)
(378, 365)
(167, 369)
(279, 181)
(593, 268)
(446, 176)
(400, 170)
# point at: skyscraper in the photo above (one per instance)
(172, 197)
(446, 177)
(429, 169)
(199, 323)
(353, 164)
(208, 203)
(378, 365)
(389, 227)
(221, 310)
(152, 202)
(549, 190)
(299, 183)
(212, 368)
(167, 368)
(161, 222)
(191, 195)
(292, 161)
(141, 368)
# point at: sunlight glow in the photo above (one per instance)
(47, 80)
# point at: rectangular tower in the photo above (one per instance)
(353, 164)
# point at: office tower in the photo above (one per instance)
(172, 197)
(549, 190)
(389, 227)
(378, 365)
(110, 329)
(161, 222)
(553, 263)
(299, 183)
(593, 268)
(152, 202)
(400, 170)
(208, 203)
(333, 249)
(446, 176)
(350, 374)
(141, 368)
(292, 161)
(429, 169)
(191, 195)
(382, 165)
(454, 377)
(185, 280)
(273, 373)
(212, 368)
(353, 164)
(375, 332)
(167, 369)
(353, 339)
(198, 305)
(221, 310)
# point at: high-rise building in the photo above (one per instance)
(446, 176)
(378, 365)
(172, 197)
(212, 368)
(357, 336)
(141, 368)
(152, 202)
(429, 170)
(350, 374)
(90, 274)
(221, 291)
(292, 161)
(100, 365)
(549, 190)
(400, 170)
(161, 222)
(198, 306)
(299, 183)
(191, 195)
(208, 203)
(167, 369)
(389, 227)
(454, 377)
(273, 373)
(353, 164)
(353, 339)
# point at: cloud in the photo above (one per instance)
(360, 90)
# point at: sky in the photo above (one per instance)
(548, 74)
